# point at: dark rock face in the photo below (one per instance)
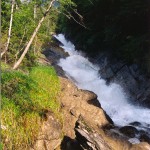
(56, 41)
(53, 53)
(88, 138)
(134, 81)
(145, 138)
(135, 123)
(129, 131)
(70, 144)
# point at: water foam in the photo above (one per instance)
(112, 97)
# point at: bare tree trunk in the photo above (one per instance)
(35, 16)
(16, 65)
(35, 41)
(35, 11)
(10, 26)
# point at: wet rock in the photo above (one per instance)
(127, 81)
(135, 123)
(115, 133)
(107, 74)
(53, 53)
(77, 103)
(56, 41)
(129, 131)
(134, 81)
(145, 138)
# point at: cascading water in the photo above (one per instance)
(112, 98)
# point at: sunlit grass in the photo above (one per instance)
(48, 80)
(25, 98)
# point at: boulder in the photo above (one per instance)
(88, 138)
(50, 135)
(77, 102)
(56, 41)
(75, 105)
(145, 138)
(83, 118)
(129, 131)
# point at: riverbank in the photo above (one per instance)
(76, 131)
(26, 97)
(74, 121)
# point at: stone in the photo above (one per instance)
(88, 138)
(140, 146)
(70, 144)
(76, 104)
(56, 41)
(50, 135)
(129, 131)
(106, 73)
(132, 79)
(145, 138)
(135, 123)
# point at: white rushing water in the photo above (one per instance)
(112, 98)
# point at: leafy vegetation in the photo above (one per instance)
(26, 26)
(25, 99)
(26, 16)
(120, 27)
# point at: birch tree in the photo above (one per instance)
(16, 65)
(10, 27)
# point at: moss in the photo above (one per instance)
(24, 99)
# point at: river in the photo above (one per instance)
(112, 97)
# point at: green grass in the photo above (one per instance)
(4, 66)
(25, 99)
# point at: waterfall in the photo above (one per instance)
(112, 97)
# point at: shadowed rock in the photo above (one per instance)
(88, 138)
(129, 131)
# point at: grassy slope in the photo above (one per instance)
(25, 98)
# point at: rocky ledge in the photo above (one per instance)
(85, 125)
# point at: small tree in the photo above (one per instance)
(16, 65)
(63, 3)
(10, 27)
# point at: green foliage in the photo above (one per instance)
(64, 3)
(46, 78)
(1, 146)
(5, 5)
(25, 99)
(120, 26)
(23, 26)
